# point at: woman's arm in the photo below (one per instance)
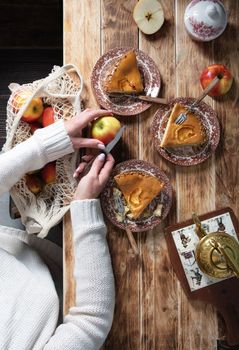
(44, 146)
(47, 144)
(87, 324)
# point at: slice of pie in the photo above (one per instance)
(139, 189)
(189, 133)
(125, 76)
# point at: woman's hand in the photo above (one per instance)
(75, 125)
(93, 183)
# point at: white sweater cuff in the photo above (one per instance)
(54, 141)
(86, 213)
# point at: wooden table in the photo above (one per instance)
(152, 311)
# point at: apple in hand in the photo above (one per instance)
(48, 173)
(33, 111)
(33, 183)
(223, 73)
(105, 128)
(48, 116)
(148, 15)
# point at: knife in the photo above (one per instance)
(146, 98)
(115, 140)
(106, 151)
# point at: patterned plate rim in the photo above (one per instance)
(140, 106)
(213, 141)
(143, 166)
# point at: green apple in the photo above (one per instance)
(148, 15)
(105, 128)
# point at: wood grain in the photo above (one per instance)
(158, 282)
(195, 185)
(81, 50)
(119, 30)
(152, 311)
(227, 160)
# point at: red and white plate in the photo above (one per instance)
(189, 155)
(164, 197)
(124, 105)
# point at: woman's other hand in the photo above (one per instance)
(75, 125)
(93, 183)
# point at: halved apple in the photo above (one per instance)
(148, 16)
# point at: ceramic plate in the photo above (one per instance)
(124, 105)
(189, 155)
(164, 197)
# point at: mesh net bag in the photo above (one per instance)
(61, 90)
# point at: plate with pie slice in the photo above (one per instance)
(119, 75)
(191, 142)
(144, 191)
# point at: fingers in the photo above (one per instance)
(81, 167)
(107, 168)
(97, 164)
(89, 143)
(87, 157)
(90, 114)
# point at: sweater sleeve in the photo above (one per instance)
(87, 324)
(47, 144)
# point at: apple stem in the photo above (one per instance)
(220, 76)
(148, 16)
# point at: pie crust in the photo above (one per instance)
(190, 133)
(125, 76)
(139, 189)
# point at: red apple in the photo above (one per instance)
(105, 128)
(48, 116)
(48, 173)
(33, 111)
(33, 183)
(223, 73)
(34, 127)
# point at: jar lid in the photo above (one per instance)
(205, 20)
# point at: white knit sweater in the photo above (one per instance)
(29, 303)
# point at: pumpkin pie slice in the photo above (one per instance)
(138, 189)
(125, 76)
(189, 133)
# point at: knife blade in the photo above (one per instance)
(106, 151)
(115, 140)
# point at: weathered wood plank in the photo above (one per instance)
(226, 50)
(119, 30)
(80, 49)
(195, 185)
(158, 283)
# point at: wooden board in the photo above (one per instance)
(224, 294)
(152, 311)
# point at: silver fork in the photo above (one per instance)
(183, 116)
(121, 210)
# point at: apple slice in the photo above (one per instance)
(148, 16)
